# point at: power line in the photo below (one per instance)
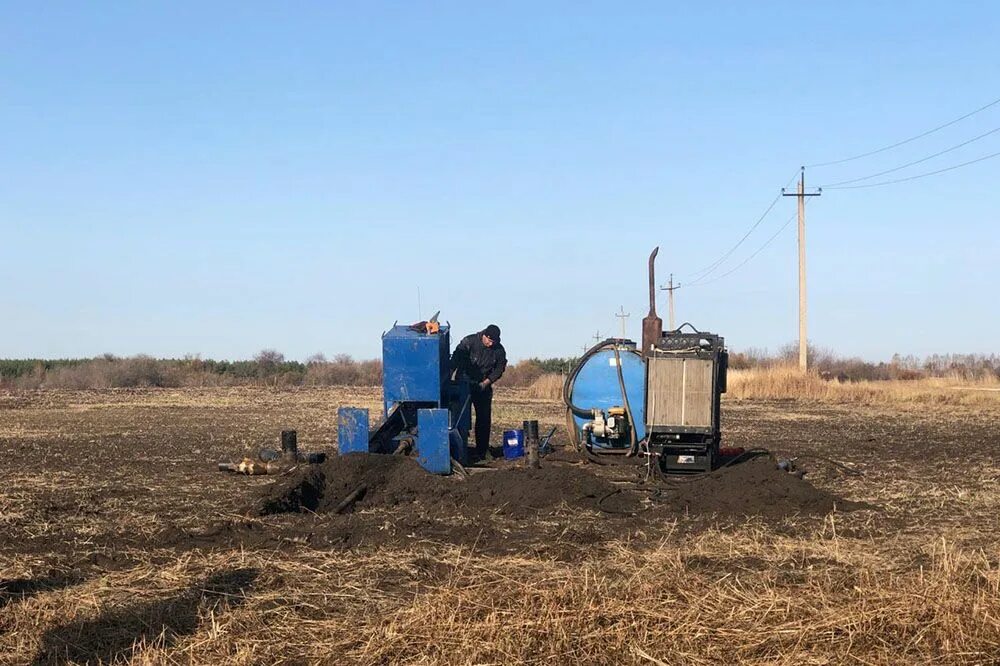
(906, 141)
(918, 176)
(909, 164)
(747, 260)
(708, 270)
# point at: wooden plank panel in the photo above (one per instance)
(665, 391)
(698, 393)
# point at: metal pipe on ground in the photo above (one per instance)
(531, 443)
(254, 467)
(289, 445)
(275, 462)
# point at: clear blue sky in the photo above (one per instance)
(217, 178)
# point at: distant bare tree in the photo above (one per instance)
(316, 359)
(268, 361)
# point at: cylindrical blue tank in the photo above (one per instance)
(594, 384)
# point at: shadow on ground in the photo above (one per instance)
(118, 633)
(17, 589)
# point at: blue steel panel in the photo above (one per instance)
(414, 366)
(352, 430)
(433, 443)
(597, 386)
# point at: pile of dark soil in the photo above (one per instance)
(367, 481)
(345, 484)
(755, 487)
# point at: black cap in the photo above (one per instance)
(492, 332)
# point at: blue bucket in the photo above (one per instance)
(513, 444)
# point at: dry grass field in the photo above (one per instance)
(122, 544)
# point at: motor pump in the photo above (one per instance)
(612, 425)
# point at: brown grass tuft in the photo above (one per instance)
(786, 382)
(547, 387)
(735, 596)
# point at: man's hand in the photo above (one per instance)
(483, 384)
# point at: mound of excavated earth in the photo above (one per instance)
(357, 481)
(388, 481)
(755, 487)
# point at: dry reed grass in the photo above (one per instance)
(547, 387)
(785, 382)
(735, 596)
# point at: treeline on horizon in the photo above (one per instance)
(267, 368)
(271, 368)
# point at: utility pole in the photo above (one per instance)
(621, 314)
(669, 288)
(802, 194)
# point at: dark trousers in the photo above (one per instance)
(482, 402)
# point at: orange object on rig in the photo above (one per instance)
(429, 327)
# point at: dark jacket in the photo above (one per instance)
(475, 361)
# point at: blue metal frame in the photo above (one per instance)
(415, 366)
(352, 430)
(420, 402)
(433, 444)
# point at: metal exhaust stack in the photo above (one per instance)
(652, 326)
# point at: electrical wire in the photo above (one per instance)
(916, 177)
(747, 260)
(909, 164)
(708, 270)
(906, 141)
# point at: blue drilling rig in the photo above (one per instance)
(424, 411)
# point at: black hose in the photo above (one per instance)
(574, 409)
(571, 378)
(618, 512)
(571, 429)
(633, 441)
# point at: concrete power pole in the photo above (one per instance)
(669, 288)
(621, 314)
(802, 194)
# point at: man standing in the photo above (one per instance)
(481, 359)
